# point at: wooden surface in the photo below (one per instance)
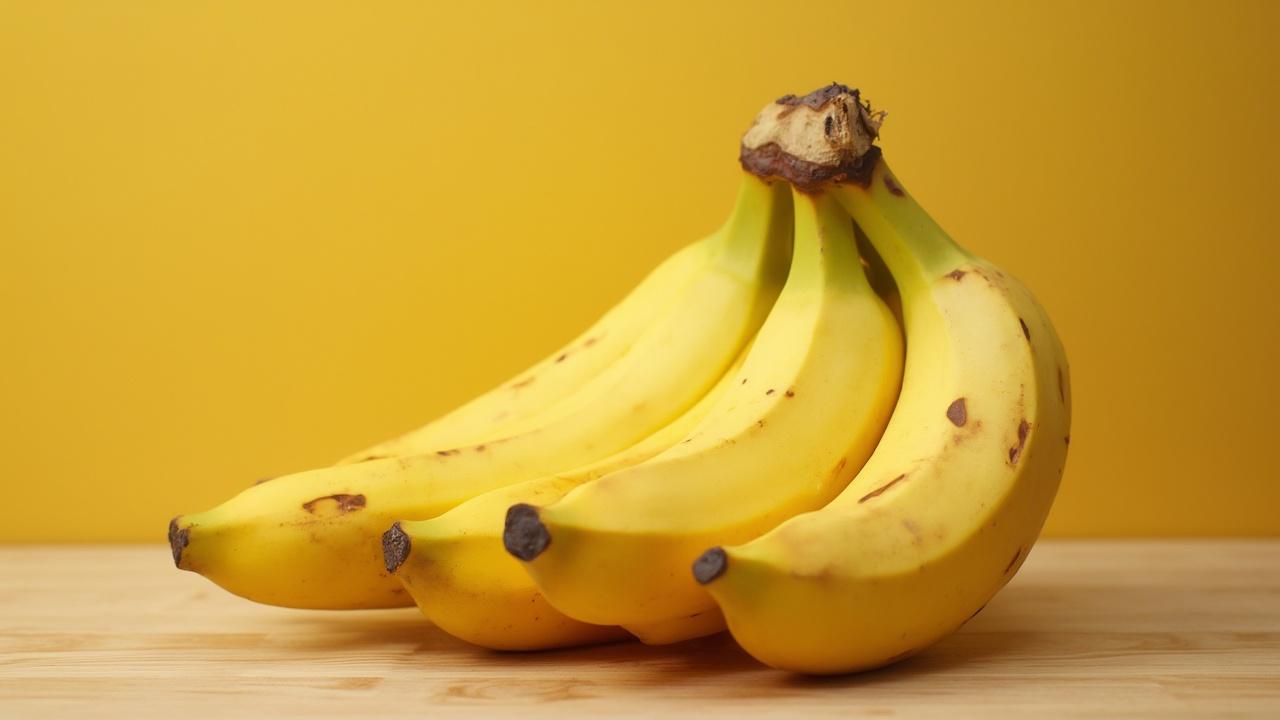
(1087, 629)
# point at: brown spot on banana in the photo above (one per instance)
(790, 393)
(523, 383)
(914, 529)
(345, 503)
(835, 471)
(880, 490)
(1015, 452)
(1026, 332)
(956, 274)
(1062, 386)
(893, 187)
(957, 413)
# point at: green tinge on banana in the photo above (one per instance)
(950, 503)
(804, 413)
(312, 539)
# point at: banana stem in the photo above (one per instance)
(824, 141)
(888, 216)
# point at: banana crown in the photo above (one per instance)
(825, 136)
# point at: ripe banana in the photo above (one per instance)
(949, 505)
(311, 540)
(804, 413)
(523, 397)
(462, 578)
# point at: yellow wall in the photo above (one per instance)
(238, 239)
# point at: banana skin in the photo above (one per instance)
(312, 539)
(951, 502)
(804, 413)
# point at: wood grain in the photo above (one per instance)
(1166, 629)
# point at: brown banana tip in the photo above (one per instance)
(179, 538)
(395, 547)
(710, 565)
(524, 535)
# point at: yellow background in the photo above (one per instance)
(242, 238)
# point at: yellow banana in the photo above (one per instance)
(804, 413)
(312, 539)
(949, 505)
(462, 578)
(523, 397)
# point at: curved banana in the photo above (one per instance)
(803, 415)
(524, 396)
(311, 539)
(456, 569)
(947, 508)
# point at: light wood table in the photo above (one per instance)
(1165, 629)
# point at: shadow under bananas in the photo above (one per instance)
(1013, 623)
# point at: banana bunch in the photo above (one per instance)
(826, 427)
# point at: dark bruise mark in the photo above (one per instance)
(479, 448)
(1015, 452)
(710, 565)
(269, 478)
(1009, 567)
(790, 393)
(346, 503)
(562, 357)
(770, 391)
(957, 413)
(769, 161)
(980, 609)
(1026, 331)
(956, 274)
(179, 538)
(1067, 439)
(912, 528)
(366, 458)
(744, 381)
(522, 383)
(828, 125)
(880, 490)
(447, 453)
(835, 471)
(894, 188)
(1062, 387)
(395, 547)
(591, 341)
(760, 423)
(523, 534)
